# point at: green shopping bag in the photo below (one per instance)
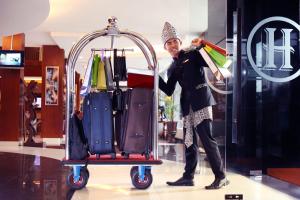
(217, 57)
(95, 70)
(215, 47)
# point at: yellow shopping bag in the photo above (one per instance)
(101, 82)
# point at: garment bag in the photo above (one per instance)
(120, 71)
(117, 94)
(109, 74)
(86, 85)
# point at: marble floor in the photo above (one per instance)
(37, 173)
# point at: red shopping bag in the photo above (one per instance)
(215, 47)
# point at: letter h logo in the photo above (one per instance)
(285, 50)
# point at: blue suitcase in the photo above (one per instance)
(98, 123)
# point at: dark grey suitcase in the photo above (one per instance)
(98, 123)
(136, 132)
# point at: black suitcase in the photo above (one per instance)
(98, 123)
(136, 122)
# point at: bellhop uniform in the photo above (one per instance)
(195, 100)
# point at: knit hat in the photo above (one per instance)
(169, 32)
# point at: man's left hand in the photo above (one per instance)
(196, 42)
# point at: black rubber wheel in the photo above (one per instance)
(136, 169)
(142, 184)
(81, 183)
(126, 155)
(147, 156)
(133, 170)
(85, 169)
(113, 156)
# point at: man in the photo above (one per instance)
(196, 106)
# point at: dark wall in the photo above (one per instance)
(269, 134)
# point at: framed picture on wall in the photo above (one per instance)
(52, 85)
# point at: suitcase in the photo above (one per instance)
(98, 123)
(136, 122)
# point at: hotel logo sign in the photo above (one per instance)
(270, 56)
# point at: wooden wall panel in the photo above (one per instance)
(9, 104)
(17, 42)
(33, 67)
(10, 92)
(52, 115)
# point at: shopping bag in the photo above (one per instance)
(219, 73)
(101, 78)
(213, 46)
(95, 70)
(217, 57)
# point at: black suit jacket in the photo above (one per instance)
(188, 71)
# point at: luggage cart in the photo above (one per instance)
(140, 173)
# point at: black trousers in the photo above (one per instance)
(204, 131)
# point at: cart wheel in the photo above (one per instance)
(147, 156)
(85, 169)
(136, 169)
(81, 183)
(126, 155)
(113, 156)
(133, 170)
(139, 184)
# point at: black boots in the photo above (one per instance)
(217, 184)
(182, 182)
